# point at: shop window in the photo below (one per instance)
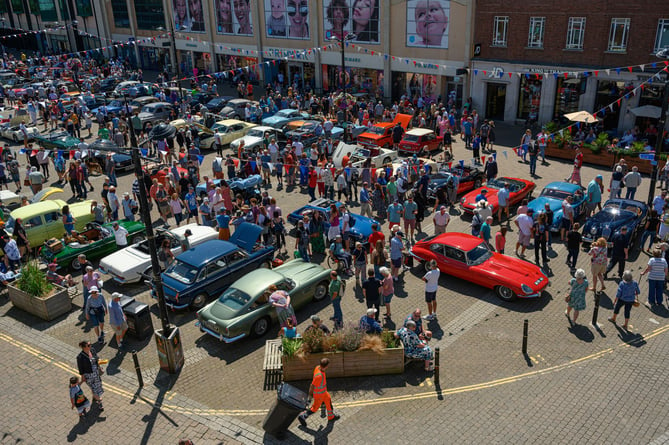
(500, 28)
(84, 8)
(33, 5)
(569, 92)
(121, 17)
(619, 34)
(535, 39)
(575, 32)
(17, 6)
(529, 98)
(662, 36)
(149, 14)
(47, 9)
(608, 92)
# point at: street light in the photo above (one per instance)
(662, 54)
(175, 62)
(342, 41)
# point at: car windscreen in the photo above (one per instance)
(256, 133)
(376, 130)
(182, 272)
(411, 138)
(554, 193)
(478, 254)
(234, 298)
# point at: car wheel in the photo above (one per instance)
(260, 327)
(385, 146)
(198, 302)
(236, 116)
(266, 265)
(477, 183)
(505, 293)
(321, 291)
(138, 238)
(426, 266)
(386, 161)
(76, 265)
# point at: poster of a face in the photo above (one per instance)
(358, 17)
(287, 18)
(182, 20)
(427, 23)
(196, 15)
(233, 17)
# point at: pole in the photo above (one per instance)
(146, 219)
(595, 312)
(138, 369)
(660, 140)
(436, 366)
(343, 62)
(525, 329)
(176, 63)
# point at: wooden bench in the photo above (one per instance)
(272, 364)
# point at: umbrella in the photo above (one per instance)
(581, 116)
(647, 111)
(105, 145)
(162, 131)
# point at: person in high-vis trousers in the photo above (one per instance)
(319, 392)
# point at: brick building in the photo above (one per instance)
(537, 43)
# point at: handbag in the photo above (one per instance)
(567, 298)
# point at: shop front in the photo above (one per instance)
(426, 80)
(245, 69)
(363, 74)
(285, 69)
(154, 57)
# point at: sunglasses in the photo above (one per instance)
(292, 10)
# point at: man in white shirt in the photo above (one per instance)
(503, 203)
(273, 150)
(431, 279)
(298, 146)
(441, 220)
(120, 235)
(524, 222)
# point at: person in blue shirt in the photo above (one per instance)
(627, 295)
(485, 231)
(191, 202)
(594, 195)
(396, 248)
(337, 250)
(223, 222)
(467, 128)
(368, 323)
(476, 147)
(482, 196)
(395, 211)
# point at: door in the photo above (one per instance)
(295, 73)
(495, 100)
(217, 272)
(36, 231)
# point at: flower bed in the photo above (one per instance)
(47, 308)
(603, 158)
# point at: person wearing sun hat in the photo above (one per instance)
(96, 310)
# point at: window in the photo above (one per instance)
(17, 6)
(35, 221)
(47, 9)
(499, 31)
(575, 32)
(662, 37)
(52, 217)
(84, 8)
(150, 14)
(535, 38)
(619, 34)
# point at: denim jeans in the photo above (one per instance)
(655, 290)
(338, 315)
(630, 192)
(646, 234)
(533, 164)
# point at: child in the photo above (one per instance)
(77, 398)
(289, 331)
(277, 21)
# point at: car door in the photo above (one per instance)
(450, 260)
(216, 276)
(53, 225)
(238, 265)
(35, 230)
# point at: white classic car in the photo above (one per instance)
(379, 156)
(13, 133)
(253, 140)
(129, 264)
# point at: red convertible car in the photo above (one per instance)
(518, 190)
(469, 258)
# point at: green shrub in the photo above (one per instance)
(388, 338)
(312, 341)
(351, 337)
(290, 346)
(33, 281)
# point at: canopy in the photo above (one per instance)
(647, 111)
(581, 116)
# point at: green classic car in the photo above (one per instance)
(57, 140)
(243, 309)
(97, 241)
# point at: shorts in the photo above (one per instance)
(345, 236)
(409, 223)
(598, 269)
(396, 262)
(565, 223)
(590, 207)
(387, 298)
(120, 329)
(393, 224)
(524, 239)
(193, 212)
(430, 296)
(97, 316)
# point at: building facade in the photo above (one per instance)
(524, 49)
(414, 48)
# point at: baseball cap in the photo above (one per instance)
(371, 311)
(315, 318)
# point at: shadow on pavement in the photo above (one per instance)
(582, 332)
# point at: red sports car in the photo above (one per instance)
(518, 190)
(469, 258)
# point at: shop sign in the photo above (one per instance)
(537, 70)
(496, 72)
(191, 45)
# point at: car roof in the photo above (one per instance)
(230, 122)
(563, 186)
(420, 131)
(264, 128)
(32, 209)
(257, 279)
(206, 252)
(462, 241)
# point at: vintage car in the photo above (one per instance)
(96, 241)
(254, 139)
(14, 133)
(378, 156)
(282, 117)
(44, 220)
(236, 108)
(615, 214)
(155, 112)
(421, 141)
(553, 195)
(469, 178)
(205, 270)
(129, 265)
(205, 134)
(57, 140)
(243, 309)
(231, 129)
(361, 226)
(381, 134)
(469, 258)
(518, 190)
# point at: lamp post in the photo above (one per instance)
(663, 54)
(168, 339)
(342, 41)
(175, 62)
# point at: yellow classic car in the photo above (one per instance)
(231, 129)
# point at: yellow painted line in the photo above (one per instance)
(359, 403)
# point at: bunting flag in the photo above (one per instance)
(200, 159)
(144, 151)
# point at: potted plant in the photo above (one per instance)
(33, 293)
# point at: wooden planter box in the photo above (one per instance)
(603, 158)
(48, 308)
(346, 364)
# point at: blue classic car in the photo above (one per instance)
(615, 214)
(553, 194)
(282, 117)
(361, 226)
(209, 268)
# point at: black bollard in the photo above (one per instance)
(436, 365)
(595, 312)
(138, 369)
(525, 328)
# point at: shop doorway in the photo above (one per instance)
(296, 75)
(495, 100)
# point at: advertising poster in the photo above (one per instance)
(233, 17)
(427, 23)
(357, 17)
(287, 19)
(188, 16)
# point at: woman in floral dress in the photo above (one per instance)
(598, 262)
(576, 297)
(379, 201)
(414, 347)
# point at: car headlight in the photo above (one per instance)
(525, 288)
(462, 200)
(593, 230)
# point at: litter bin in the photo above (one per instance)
(290, 402)
(138, 315)
(126, 300)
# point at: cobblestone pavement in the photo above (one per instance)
(584, 384)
